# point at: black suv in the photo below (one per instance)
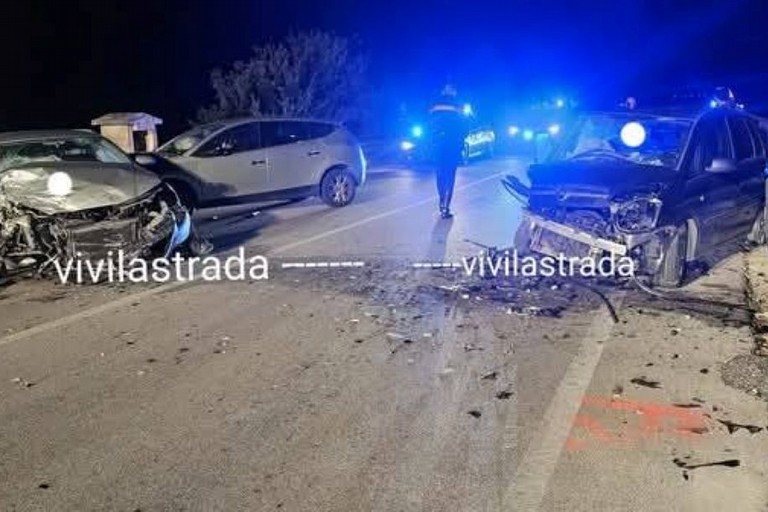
(664, 188)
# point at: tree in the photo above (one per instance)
(308, 74)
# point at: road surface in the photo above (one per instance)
(351, 380)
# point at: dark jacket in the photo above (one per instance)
(447, 131)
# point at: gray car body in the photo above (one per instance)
(268, 173)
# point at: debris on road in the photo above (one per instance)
(730, 463)
(733, 427)
(504, 395)
(490, 376)
(642, 381)
(687, 406)
(475, 413)
(22, 382)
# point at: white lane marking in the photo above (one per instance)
(380, 216)
(529, 485)
(130, 299)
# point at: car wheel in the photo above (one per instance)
(338, 188)
(671, 272)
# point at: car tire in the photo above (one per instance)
(671, 271)
(338, 188)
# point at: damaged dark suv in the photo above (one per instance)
(663, 189)
(72, 194)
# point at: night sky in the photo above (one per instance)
(65, 62)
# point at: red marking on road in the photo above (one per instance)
(645, 420)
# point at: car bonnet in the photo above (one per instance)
(93, 186)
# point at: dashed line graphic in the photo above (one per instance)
(436, 265)
(324, 264)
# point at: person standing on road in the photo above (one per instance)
(448, 131)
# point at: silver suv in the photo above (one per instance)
(261, 160)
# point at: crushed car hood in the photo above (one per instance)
(606, 176)
(93, 186)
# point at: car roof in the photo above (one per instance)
(30, 135)
(241, 120)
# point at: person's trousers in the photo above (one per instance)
(446, 179)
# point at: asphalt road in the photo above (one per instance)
(376, 385)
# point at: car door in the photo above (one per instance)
(295, 155)
(232, 163)
(749, 154)
(710, 198)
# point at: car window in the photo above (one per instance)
(279, 133)
(189, 139)
(709, 142)
(241, 138)
(66, 149)
(319, 130)
(742, 139)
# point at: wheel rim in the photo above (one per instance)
(341, 189)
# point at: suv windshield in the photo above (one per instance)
(660, 140)
(68, 149)
(189, 139)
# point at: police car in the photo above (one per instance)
(480, 141)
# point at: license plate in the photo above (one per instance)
(553, 244)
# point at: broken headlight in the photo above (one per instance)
(637, 215)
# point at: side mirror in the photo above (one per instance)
(722, 165)
(144, 159)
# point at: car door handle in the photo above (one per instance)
(313, 153)
(259, 162)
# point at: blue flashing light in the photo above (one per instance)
(467, 109)
(417, 131)
(559, 102)
(528, 134)
(633, 134)
(513, 131)
(713, 103)
(553, 129)
(407, 145)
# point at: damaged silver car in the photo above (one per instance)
(666, 189)
(73, 194)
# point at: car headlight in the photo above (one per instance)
(637, 215)
(407, 145)
(59, 184)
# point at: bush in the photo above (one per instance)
(308, 74)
